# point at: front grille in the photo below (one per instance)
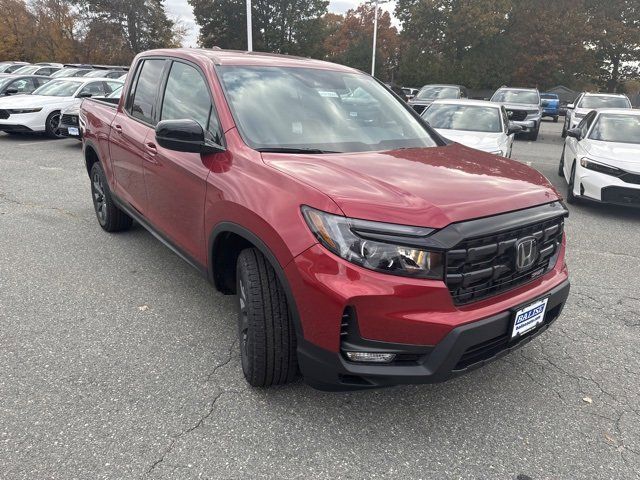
(631, 178)
(481, 267)
(69, 119)
(517, 115)
(621, 196)
(4, 114)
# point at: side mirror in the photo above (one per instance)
(11, 91)
(570, 106)
(575, 133)
(514, 128)
(184, 136)
(84, 95)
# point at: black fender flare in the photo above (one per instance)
(257, 242)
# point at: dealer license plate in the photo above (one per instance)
(529, 317)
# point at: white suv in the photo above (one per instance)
(590, 101)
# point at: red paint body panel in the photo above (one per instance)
(185, 196)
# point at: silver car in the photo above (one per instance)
(524, 108)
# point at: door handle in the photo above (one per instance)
(118, 128)
(151, 148)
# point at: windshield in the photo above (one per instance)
(310, 109)
(26, 70)
(65, 72)
(470, 118)
(116, 93)
(433, 92)
(592, 101)
(57, 88)
(527, 97)
(621, 128)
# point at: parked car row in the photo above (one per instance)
(59, 70)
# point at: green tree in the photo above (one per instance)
(614, 39)
(285, 26)
(349, 40)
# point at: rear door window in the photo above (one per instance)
(145, 94)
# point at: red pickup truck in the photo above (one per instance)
(364, 249)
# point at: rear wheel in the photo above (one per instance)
(266, 333)
(52, 126)
(110, 217)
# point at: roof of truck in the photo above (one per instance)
(241, 57)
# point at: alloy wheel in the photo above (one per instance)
(99, 200)
(243, 326)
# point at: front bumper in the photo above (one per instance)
(465, 348)
(528, 125)
(23, 122)
(605, 188)
(414, 318)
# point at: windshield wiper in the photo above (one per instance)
(294, 150)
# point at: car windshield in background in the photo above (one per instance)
(437, 93)
(116, 93)
(28, 70)
(526, 97)
(470, 118)
(57, 88)
(611, 127)
(65, 72)
(312, 110)
(604, 102)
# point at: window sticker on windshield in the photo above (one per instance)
(326, 93)
(353, 114)
(296, 127)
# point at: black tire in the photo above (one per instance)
(561, 166)
(571, 198)
(555, 119)
(564, 128)
(109, 216)
(533, 136)
(266, 333)
(52, 125)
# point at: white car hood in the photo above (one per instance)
(34, 101)
(621, 155)
(488, 142)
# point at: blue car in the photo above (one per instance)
(550, 105)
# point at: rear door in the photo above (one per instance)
(176, 181)
(129, 130)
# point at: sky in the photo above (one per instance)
(181, 10)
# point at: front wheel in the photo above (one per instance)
(265, 328)
(561, 166)
(571, 198)
(52, 125)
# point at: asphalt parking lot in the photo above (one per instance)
(119, 361)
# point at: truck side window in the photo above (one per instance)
(187, 96)
(144, 97)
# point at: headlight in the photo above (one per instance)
(578, 115)
(382, 247)
(24, 110)
(600, 167)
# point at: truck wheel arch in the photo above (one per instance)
(226, 242)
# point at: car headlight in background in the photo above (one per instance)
(600, 167)
(382, 247)
(24, 110)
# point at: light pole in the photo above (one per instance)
(375, 34)
(249, 28)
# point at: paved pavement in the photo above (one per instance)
(118, 361)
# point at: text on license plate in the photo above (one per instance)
(529, 317)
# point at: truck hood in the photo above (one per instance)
(621, 155)
(34, 101)
(428, 187)
(489, 142)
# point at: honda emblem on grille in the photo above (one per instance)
(526, 253)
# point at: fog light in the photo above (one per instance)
(370, 357)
